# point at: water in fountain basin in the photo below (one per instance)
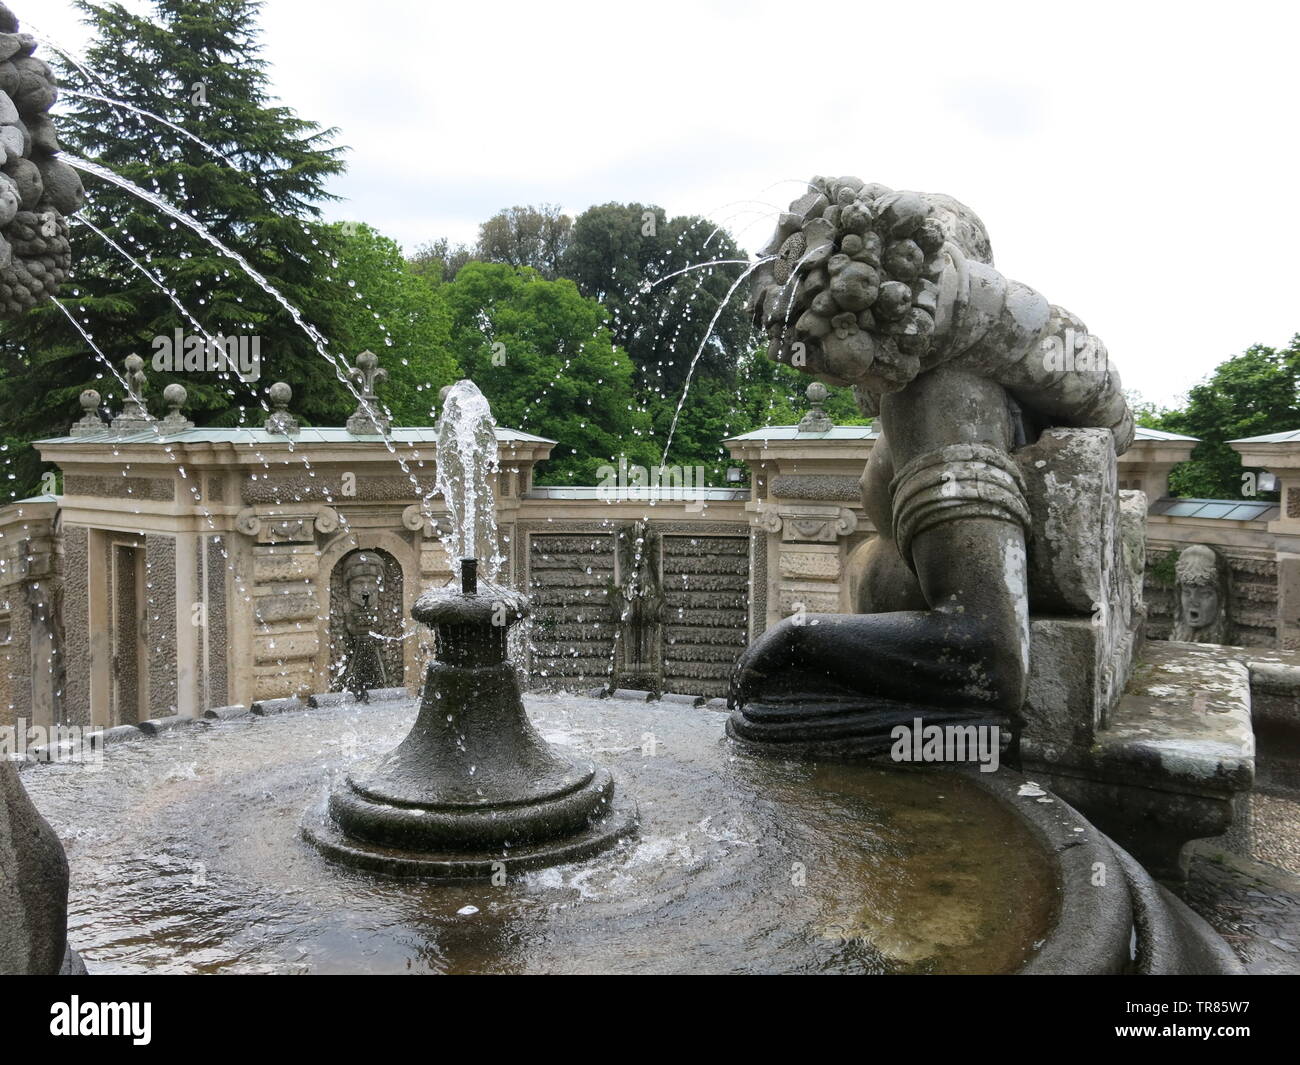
(185, 857)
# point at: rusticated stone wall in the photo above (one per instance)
(570, 578)
(15, 650)
(31, 640)
(706, 610)
(214, 665)
(702, 617)
(161, 621)
(76, 623)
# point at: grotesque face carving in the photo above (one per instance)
(1201, 608)
(364, 579)
(1200, 604)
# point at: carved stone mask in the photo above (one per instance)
(365, 579)
(1201, 604)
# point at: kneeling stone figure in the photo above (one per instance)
(894, 294)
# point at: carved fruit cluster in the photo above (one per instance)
(854, 282)
(37, 189)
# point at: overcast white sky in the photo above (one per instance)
(1135, 162)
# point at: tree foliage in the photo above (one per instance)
(199, 67)
(1251, 394)
(383, 307)
(526, 236)
(626, 255)
(543, 357)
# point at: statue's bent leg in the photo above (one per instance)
(958, 518)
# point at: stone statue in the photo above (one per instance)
(37, 189)
(637, 601)
(1201, 597)
(363, 579)
(895, 294)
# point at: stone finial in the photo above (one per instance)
(280, 420)
(174, 396)
(90, 421)
(135, 416)
(816, 420)
(369, 418)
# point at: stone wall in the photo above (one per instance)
(705, 620)
(15, 641)
(31, 586)
(214, 656)
(701, 605)
(573, 624)
(163, 618)
(76, 623)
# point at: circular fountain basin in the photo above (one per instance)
(186, 856)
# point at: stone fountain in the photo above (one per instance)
(1001, 418)
(473, 790)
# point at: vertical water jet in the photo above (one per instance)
(473, 788)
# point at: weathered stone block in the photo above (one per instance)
(281, 646)
(1063, 704)
(282, 682)
(809, 600)
(155, 725)
(825, 566)
(284, 563)
(225, 713)
(296, 606)
(1070, 481)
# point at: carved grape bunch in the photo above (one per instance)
(852, 291)
(37, 189)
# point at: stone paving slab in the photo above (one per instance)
(1254, 906)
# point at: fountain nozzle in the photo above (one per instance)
(469, 576)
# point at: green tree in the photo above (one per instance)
(1250, 394)
(760, 392)
(438, 260)
(543, 357)
(385, 307)
(1146, 414)
(198, 65)
(623, 256)
(526, 236)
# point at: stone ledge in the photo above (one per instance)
(155, 725)
(118, 733)
(277, 706)
(225, 713)
(682, 700)
(378, 695)
(1185, 714)
(1177, 749)
(635, 695)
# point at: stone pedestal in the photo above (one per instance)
(1151, 742)
(473, 790)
